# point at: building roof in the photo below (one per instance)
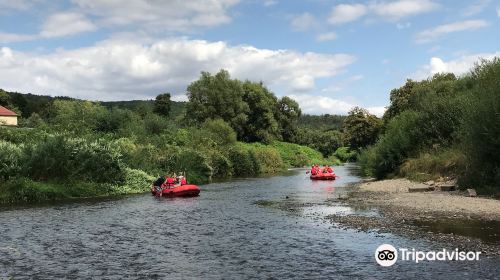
(6, 112)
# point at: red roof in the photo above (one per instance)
(6, 112)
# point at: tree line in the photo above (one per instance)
(442, 126)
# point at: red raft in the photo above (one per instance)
(323, 176)
(178, 191)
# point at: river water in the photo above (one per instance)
(225, 233)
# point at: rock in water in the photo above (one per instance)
(472, 192)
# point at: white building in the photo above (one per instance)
(7, 117)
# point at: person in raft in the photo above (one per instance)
(328, 169)
(169, 182)
(159, 184)
(182, 179)
(314, 170)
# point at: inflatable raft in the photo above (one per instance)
(323, 176)
(178, 191)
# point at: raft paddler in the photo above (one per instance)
(328, 169)
(314, 170)
(159, 184)
(169, 182)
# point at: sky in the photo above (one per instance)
(328, 55)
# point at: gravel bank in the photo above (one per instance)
(409, 214)
(394, 193)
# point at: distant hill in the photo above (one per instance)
(322, 122)
(32, 103)
(28, 103)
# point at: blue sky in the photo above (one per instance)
(328, 55)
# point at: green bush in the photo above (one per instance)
(268, 158)
(434, 165)
(196, 165)
(294, 155)
(243, 160)
(26, 190)
(60, 158)
(221, 165)
(481, 130)
(26, 136)
(11, 160)
(345, 155)
(136, 181)
(400, 141)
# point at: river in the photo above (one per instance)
(225, 233)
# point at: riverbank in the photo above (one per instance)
(448, 217)
(24, 190)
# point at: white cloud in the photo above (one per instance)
(377, 110)
(475, 8)
(66, 23)
(317, 104)
(458, 66)
(15, 5)
(392, 10)
(268, 3)
(176, 15)
(13, 37)
(344, 13)
(341, 85)
(402, 8)
(433, 33)
(326, 37)
(118, 69)
(303, 22)
(57, 25)
(498, 12)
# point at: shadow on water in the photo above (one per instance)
(487, 231)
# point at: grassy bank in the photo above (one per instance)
(24, 190)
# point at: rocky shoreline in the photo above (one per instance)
(413, 214)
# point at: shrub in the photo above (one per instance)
(400, 141)
(25, 190)
(345, 155)
(221, 165)
(268, 158)
(243, 160)
(481, 132)
(294, 155)
(136, 181)
(195, 164)
(59, 158)
(433, 165)
(11, 159)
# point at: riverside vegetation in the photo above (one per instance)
(67, 148)
(445, 126)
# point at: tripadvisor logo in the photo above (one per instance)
(387, 255)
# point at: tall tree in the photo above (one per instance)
(361, 128)
(400, 100)
(262, 125)
(5, 99)
(218, 96)
(162, 104)
(288, 114)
